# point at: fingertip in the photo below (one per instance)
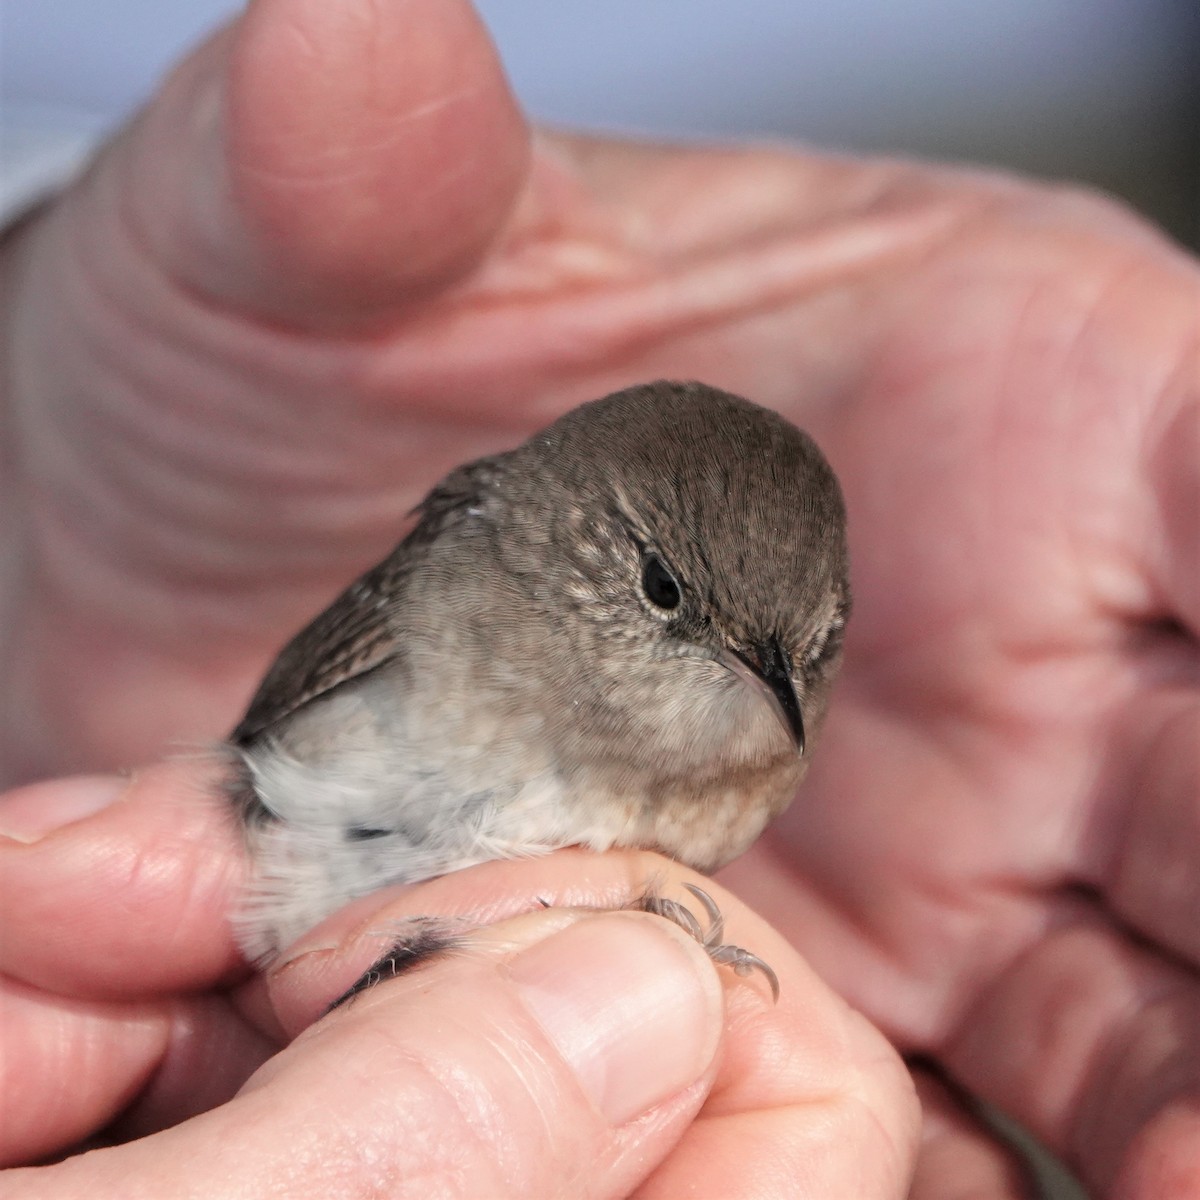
(373, 149)
(959, 1155)
(1163, 1161)
(633, 1005)
(30, 813)
(132, 898)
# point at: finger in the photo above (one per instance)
(71, 1069)
(106, 1052)
(322, 162)
(808, 1100)
(1143, 843)
(114, 895)
(312, 164)
(130, 902)
(1152, 876)
(1165, 542)
(323, 963)
(960, 1157)
(566, 1062)
(1094, 1045)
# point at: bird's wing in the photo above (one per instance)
(355, 633)
(351, 636)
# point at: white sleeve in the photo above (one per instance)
(40, 151)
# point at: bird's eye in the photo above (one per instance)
(660, 586)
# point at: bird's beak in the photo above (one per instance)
(767, 665)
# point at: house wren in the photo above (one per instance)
(621, 633)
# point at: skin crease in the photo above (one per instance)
(1004, 376)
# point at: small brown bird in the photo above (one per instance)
(621, 633)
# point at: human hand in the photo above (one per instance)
(559, 1052)
(995, 854)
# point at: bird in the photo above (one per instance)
(621, 633)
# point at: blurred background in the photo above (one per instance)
(1104, 91)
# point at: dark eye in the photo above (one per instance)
(661, 587)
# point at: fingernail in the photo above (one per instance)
(633, 1007)
(29, 813)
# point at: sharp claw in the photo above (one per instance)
(672, 910)
(707, 902)
(716, 918)
(743, 962)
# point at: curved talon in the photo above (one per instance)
(716, 918)
(745, 961)
(740, 960)
(672, 910)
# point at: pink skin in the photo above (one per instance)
(326, 264)
(123, 1021)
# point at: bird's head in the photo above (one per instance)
(691, 557)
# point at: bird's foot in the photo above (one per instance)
(425, 938)
(742, 961)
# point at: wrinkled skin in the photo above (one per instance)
(289, 298)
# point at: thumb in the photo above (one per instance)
(564, 1055)
(321, 162)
